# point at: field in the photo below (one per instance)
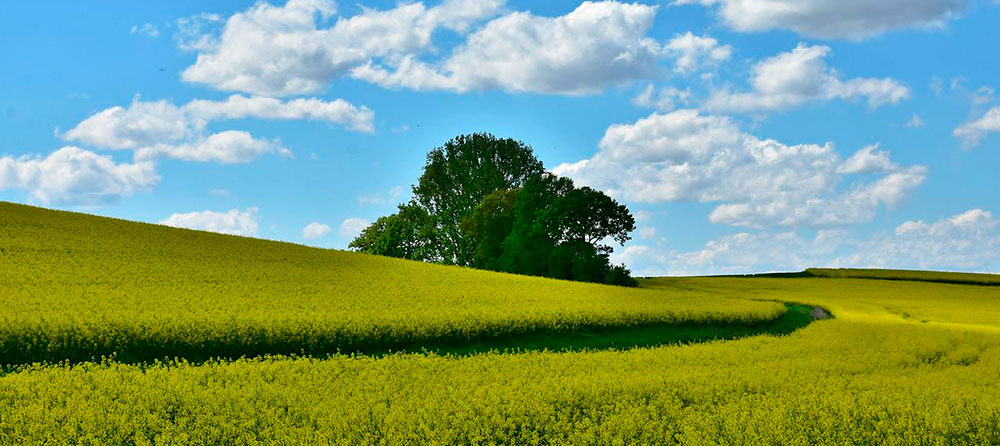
(79, 287)
(901, 361)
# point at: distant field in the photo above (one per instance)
(79, 287)
(902, 362)
(920, 302)
(898, 274)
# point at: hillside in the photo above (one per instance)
(902, 362)
(81, 287)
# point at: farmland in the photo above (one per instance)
(901, 362)
(82, 287)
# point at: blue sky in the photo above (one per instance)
(746, 135)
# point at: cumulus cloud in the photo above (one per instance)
(663, 98)
(868, 159)
(693, 52)
(75, 176)
(315, 230)
(160, 128)
(854, 19)
(687, 156)
(968, 241)
(146, 123)
(141, 124)
(802, 75)
(337, 111)
(235, 222)
(738, 253)
(352, 227)
(228, 147)
(193, 33)
(974, 132)
(283, 50)
(596, 45)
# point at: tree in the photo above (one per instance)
(621, 276)
(527, 249)
(558, 230)
(487, 203)
(407, 234)
(587, 215)
(459, 174)
(488, 227)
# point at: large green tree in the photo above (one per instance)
(459, 175)
(486, 202)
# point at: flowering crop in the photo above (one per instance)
(81, 287)
(903, 362)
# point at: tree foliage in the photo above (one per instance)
(407, 234)
(488, 226)
(459, 175)
(487, 203)
(557, 232)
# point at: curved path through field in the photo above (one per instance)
(795, 317)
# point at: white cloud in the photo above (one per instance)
(686, 156)
(390, 196)
(855, 206)
(596, 45)
(915, 122)
(647, 232)
(693, 52)
(757, 252)
(228, 147)
(193, 32)
(75, 176)
(315, 230)
(283, 50)
(141, 124)
(160, 122)
(352, 227)
(337, 111)
(853, 19)
(969, 241)
(974, 132)
(146, 29)
(161, 128)
(662, 99)
(868, 159)
(234, 222)
(802, 75)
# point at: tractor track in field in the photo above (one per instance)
(795, 317)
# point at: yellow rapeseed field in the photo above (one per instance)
(78, 287)
(901, 362)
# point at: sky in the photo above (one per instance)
(744, 135)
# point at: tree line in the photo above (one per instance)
(488, 203)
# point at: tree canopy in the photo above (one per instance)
(487, 202)
(460, 174)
